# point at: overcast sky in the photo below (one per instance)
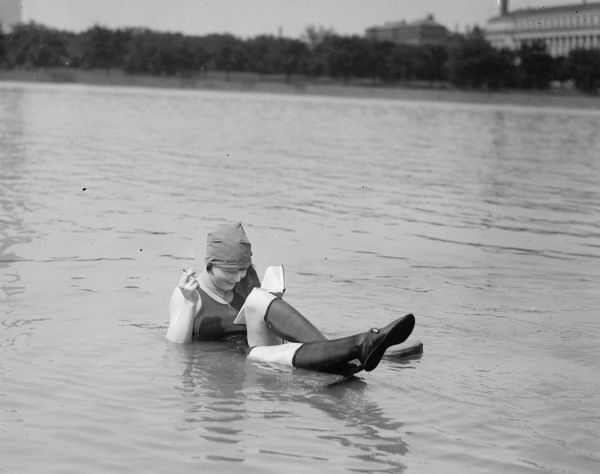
(246, 18)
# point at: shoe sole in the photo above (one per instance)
(399, 332)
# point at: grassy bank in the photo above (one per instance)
(272, 84)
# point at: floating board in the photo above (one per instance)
(322, 379)
(408, 348)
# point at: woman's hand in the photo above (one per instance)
(188, 285)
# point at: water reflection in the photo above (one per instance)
(376, 439)
(348, 417)
(229, 401)
(13, 199)
(210, 388)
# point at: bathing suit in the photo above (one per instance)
(215, 321)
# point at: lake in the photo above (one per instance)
(483, 221)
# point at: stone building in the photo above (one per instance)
(418, 32)
(561, 28)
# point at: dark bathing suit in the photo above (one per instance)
(215, 321)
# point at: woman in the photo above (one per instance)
(206, 306)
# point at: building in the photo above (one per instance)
(10, 13)
(561, 28)
(418, 32)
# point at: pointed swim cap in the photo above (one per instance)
(228, 247)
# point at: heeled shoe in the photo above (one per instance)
(376, 341)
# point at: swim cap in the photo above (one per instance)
(228, 247)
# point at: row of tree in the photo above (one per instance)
(467, 61)
(475, 63)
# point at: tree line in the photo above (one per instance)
(468, 61)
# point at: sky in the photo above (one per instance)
(248, 18)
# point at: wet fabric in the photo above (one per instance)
(215, 320)
(228, 247)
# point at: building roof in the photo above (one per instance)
(572, 8)
(392, 24)
(429, 20)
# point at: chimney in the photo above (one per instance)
(503, 7)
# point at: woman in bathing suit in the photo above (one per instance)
(206, 306)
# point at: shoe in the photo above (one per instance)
(376, 341)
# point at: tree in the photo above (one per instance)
(314, 36)
(560, 70)
(584, 66)
(403, 62)
(33, 45)
(295, 57)
(503, 70)
(263, 54)
(473, 62)
(363, 57)
(339, 58)
(431, 63)
(317, 40)
(143, 53)
(2, 47)
(349, 56)
(102, 48)
(536, 66)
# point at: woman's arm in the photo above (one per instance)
(185, 303)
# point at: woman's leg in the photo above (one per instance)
(367, 347)
(333, 355)
(287, 322)
(255, 308)
(280, 354)
(267, 316)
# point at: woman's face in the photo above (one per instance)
(226, 279)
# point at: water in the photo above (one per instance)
(482, 220)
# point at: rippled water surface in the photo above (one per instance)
(484, 221)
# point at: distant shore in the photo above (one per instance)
(271, 84)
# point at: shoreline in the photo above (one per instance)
(250, 82)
